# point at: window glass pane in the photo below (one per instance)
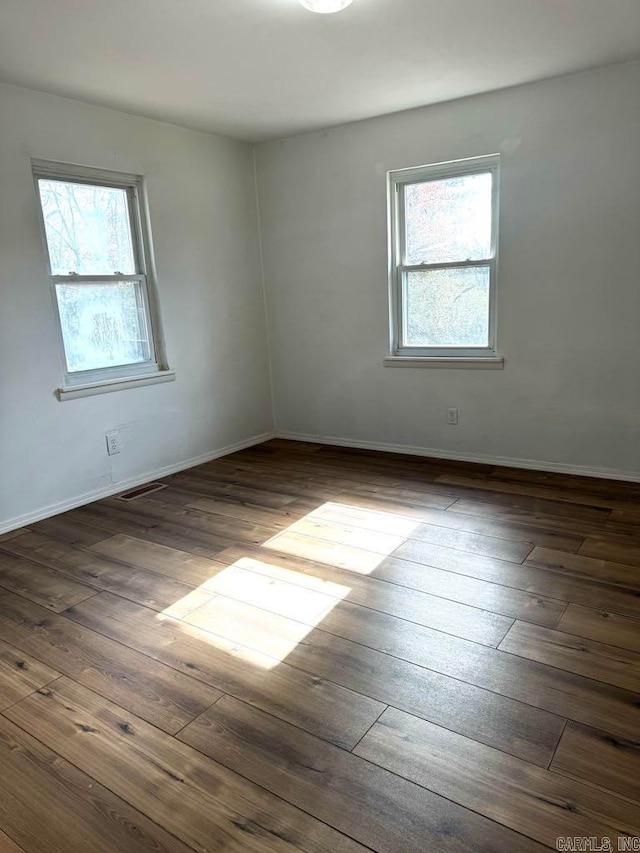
(448, 220)
(103, 325)
(87, 228)
(447, 308)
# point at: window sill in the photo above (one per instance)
(108, 385)
(479, 363)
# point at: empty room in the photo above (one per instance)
(319, 426)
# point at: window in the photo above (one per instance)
(97, 250)
(443, 243)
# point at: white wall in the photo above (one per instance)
(569, 283)
(203, 216)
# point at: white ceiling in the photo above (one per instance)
(256, 69)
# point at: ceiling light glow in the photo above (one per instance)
(324, 7)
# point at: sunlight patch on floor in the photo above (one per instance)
(260, 611)
(378, 520)
(183, 606)
(346, 536)
(243, 654)
(293, 576)
(246, 611)
(284, 598)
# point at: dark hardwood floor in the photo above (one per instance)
(307, 648)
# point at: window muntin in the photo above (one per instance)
(443, 239)
(93, 231)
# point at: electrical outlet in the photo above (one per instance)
(452, 416)
(113, 442)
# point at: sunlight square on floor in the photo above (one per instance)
(346, 536)
(245, 609)
(263, 610)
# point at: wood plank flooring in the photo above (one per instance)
(307, 648)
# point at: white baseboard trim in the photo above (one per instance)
(484, 459)
(124, 485)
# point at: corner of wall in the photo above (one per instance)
(264, 288)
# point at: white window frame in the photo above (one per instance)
(401, 354)
(101, 380)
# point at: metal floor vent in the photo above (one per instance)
(142, 491)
